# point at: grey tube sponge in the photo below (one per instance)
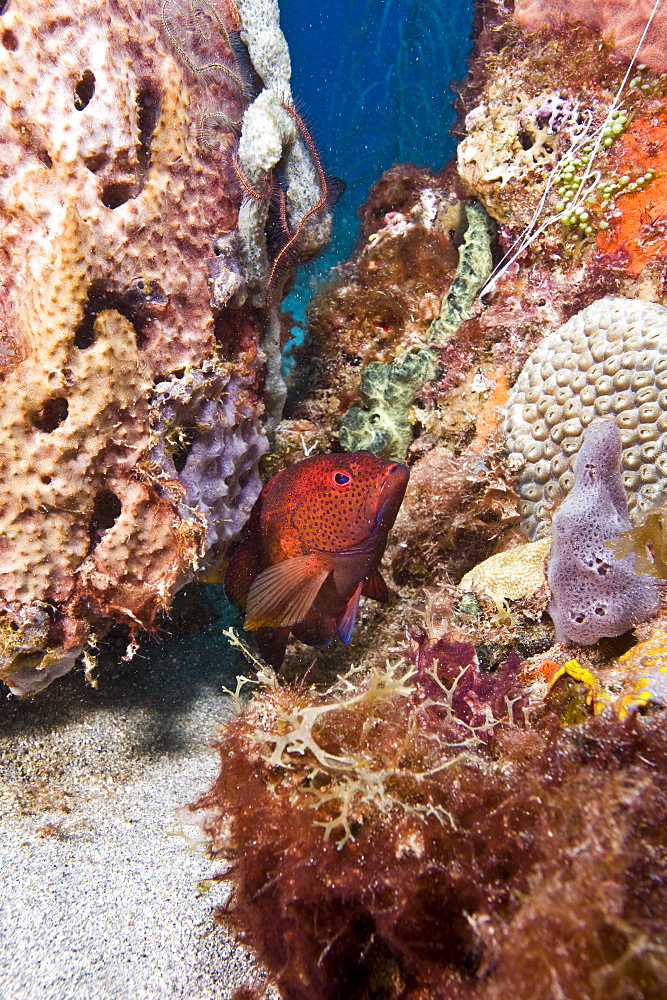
(383, 425)
(595, 595)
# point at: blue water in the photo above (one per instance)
(371, 78)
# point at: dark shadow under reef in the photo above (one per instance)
(170, 694)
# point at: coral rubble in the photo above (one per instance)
(138, 361)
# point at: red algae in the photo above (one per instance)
(413, 838)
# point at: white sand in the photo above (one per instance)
(99, 894)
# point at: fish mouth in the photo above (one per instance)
(391, 495)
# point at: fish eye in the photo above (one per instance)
(340, 480)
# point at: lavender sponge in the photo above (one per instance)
(594, 594)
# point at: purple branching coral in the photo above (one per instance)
(594, 594)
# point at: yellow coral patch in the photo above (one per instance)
(514, 574)
(649, 660)
(595, 693)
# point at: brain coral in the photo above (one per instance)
(608, 360)
(620, 23)
(131, 405)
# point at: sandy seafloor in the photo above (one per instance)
(99, 891)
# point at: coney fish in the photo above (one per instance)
(312, 547)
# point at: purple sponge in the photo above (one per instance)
(594, 594)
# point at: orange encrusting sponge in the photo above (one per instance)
(640, 225)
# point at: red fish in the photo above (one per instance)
(312, 546)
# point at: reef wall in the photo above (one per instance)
(464, 812)
(139, 352)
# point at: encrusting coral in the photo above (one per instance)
(510, 575)
(133, 360)
(635, 232)
(538, 105)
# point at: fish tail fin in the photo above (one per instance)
(347, 620)
(316, 629)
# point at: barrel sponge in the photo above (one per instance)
(595, 595)
(620, 23)
(112, 212)
(610, 359)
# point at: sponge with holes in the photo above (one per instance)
(595, 595)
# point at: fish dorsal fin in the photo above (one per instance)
(347, 620)
(376, 588)
(282, 594)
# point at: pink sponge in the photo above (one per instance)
(620, 22)
(594, 594)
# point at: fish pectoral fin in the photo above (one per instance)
(283, 594)
(376, 588)
(347, 620)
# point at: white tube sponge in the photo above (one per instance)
(266, 130)
(271, 135)
(266, 45)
